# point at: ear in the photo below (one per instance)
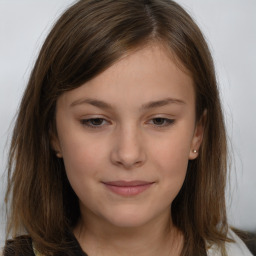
(198, 136)
(55, 144)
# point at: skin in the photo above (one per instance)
(129, 143)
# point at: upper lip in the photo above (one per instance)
(133, 183)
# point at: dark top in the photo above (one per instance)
(22, 246)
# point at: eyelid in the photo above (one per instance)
(85, 122)
(168, 122)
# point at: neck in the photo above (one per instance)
(159, 237)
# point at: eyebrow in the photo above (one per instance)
(145, 106)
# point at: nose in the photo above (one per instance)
(128, 149)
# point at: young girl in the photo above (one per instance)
(119, 147)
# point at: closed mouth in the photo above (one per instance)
(128, 188)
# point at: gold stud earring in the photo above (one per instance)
(58, 154)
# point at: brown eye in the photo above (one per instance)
(162, 122)
(93, 122)
(96, 121)
(159, 121)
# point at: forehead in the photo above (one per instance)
(139, 76)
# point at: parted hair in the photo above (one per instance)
(87, 39)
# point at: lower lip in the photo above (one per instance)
(128, 191)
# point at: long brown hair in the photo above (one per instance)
(87, 39)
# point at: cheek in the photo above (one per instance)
(171, 160)
(83, 163)
(173, 150)
(82, 158)
(174, 169)
(173, 163)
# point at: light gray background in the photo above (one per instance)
(230, 29)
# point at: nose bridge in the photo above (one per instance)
(128, 148)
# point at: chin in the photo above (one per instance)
(128, 222)
(129, 219)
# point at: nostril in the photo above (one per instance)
(127, 151)
(128, 164)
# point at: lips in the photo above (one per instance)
(128, 188)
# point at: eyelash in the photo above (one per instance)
(167, 121)
(88, 122)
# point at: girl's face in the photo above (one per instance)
(126, 137)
